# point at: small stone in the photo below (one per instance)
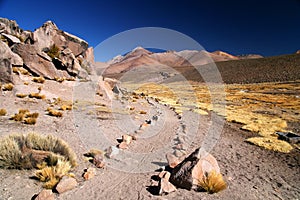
(45, 195)
(65, 184)
(112, 151)
(98, 161)
(162, 174)
(165, 187)
(178, 153)
(123, 145)
(89, 173)
(172, 160)
(127, 139)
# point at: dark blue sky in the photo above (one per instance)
(266, 27)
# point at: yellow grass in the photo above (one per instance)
(37, 96)
(38, 79)
(25, 116)
(262, 108)
(7, 87)
(271, 143)
(51, 175)
(212, 183)
(21, 95)
(55, 113)
(3, 112)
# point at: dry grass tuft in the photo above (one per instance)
(271, 143)
(26, 83)
(53, 112)
(212, 183)
(66, 107)
(7, 87)
(37, 96)
(20, 70)
(25, 116)
(30, 120)
(21, 95)
(38, 79)
(59, 79)
(51, 175)
(3, 112)
(143, 112)
(18, 151)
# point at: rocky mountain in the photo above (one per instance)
(142, 57)
(47, 51)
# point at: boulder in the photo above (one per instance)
(66, 60)
(11, 39)
(45, 195)
(165, 187)
(65, 184)
(112, 151)
(298, 52)
(89, 55)
(5, 71)
(6, 53)
(193, 168)
(98, 161)
(49, 34)
(36, 61)
(9, 26)
(89, 173)
(173, 161)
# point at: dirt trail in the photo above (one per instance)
(251, 172)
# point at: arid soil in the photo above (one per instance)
(251, 172)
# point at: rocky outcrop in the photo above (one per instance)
(6, 53)
(5, 71)
(8, 59)
(36, 61)
(49, 34)
(9, 26)
(298, 52)
(47, 51)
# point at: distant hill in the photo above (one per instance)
(270, 69)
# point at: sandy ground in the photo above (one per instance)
(251, 172)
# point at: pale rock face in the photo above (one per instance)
(5, 52)
(43, 36)
(34, 62)
(9, 26)
(12, 39)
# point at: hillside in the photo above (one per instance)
(269, 69)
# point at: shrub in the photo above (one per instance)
(26, 83)
(20, 95)
(30, 120)
(53, 51)
(66, 107)
(25, 116)
(37, 96)
(38, 79)
(7, 87)
(143, 112)
(3, 112)
(19, 151)
(212, 183)
(51, 175)
(59, 79)
(52, 156)
(55, 113)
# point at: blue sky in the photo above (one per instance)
(263, 27)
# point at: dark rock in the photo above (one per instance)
(5, 71)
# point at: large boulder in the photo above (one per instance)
(66, 60)
(36, 61)
(5, 71)
(49, 34)
(9, 26)
(194, 168)
(11, 39)
(6, 53)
